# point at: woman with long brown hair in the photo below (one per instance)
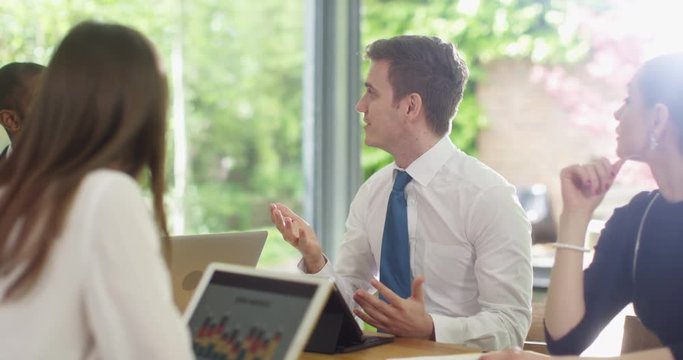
(82, 273)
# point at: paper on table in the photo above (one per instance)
(473, 356)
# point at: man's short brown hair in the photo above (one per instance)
(13, 84)
(429, 67)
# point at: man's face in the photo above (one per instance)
(381, 116)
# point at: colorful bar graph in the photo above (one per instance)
(216, 340)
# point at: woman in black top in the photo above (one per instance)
(639, 257)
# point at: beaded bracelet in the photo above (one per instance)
(571, 247)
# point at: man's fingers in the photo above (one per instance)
(376, 317)
(387, 293)
(276, 217)
(418, 294)
(287, 212)
(369, 302)
(368, 319)
(373, 307)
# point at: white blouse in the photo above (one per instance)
(105, 290)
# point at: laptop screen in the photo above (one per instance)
(244, 316)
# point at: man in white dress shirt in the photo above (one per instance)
(468, 238)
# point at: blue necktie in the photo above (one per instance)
(394, 270)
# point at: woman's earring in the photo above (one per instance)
(654, 143)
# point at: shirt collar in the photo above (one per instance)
(5, 152)
(425, 167)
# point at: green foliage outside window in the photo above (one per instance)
(243, 67)
(483, 31)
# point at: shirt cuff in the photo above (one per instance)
(326, 270)
(445, 329)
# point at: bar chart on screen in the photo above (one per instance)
(217, 339)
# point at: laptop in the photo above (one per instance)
(239, 312)
(191, 254)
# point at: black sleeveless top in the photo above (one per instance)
(656, 287)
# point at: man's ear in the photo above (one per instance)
(414, 108)
(10, 121)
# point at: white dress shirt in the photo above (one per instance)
(468, 236)
(104, 292)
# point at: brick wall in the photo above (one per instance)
(531, 135)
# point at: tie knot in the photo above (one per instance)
(402, 179)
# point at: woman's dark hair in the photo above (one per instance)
(661, 81)
(102, 104)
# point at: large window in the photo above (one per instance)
(236, 73)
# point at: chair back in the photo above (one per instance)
(535, 339)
